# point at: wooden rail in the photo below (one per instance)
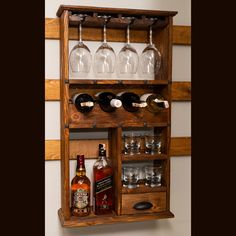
(181, 91)
(181, 34)
(180, 146)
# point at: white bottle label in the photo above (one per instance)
(87, 104)
(142, 104)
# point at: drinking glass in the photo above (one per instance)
(127, 61)
(80, 58)
(104, 58)
(153, 175)
(153, 144)
(132, 144)
(150, 59)
(130, 177)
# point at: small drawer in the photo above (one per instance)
(143, 203)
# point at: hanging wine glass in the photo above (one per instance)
(150, 59)
(80, 58)
(127, 61)
(104, 58)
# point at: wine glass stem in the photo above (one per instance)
(150, 36)
(80, 32)
(104, 33)
(128, 41)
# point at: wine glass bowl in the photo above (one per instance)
(80, 58)
(128, 59)
(104, 58)
(150, 59)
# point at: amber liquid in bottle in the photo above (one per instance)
(103, 178)
(80, 190)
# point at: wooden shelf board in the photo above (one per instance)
(105, 10)
(110, 219)
(142, 157)
(181, 91)
(115, 125)
(180, 146)
(114, 82)
(143, 189)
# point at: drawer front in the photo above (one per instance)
(155, 202)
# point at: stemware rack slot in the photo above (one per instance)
(72, 120)
(117, 21)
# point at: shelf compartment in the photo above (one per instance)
(143, 189)
(110, 219)
(157, 200)
(142, 157)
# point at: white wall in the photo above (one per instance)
(180, 201)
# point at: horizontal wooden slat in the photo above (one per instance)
(180, 146)
(181, 34)
(181, 91)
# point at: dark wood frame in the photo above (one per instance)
(71, 119)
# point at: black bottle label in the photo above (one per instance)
(103, 184)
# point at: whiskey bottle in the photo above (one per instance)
(80, 190)
(131, 101)
(103, 178)
(155, 102)
(108, 101)
(83, 102)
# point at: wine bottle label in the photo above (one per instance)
(80, 198)
(116, 103)
(103, 184)
(87, 104)
(166, 103)
(142, 104)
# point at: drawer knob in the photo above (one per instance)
(143, 206)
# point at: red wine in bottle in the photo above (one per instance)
(108, 101)
(155, 102)
(83, 102)
(131, 101)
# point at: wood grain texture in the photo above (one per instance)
(158, 200)
(180, 146)
(110, 219)
(181, 91)
(181, 34)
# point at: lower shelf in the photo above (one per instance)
(110, 219)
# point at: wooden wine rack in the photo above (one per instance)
(119, 120)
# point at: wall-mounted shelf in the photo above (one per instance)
(117, 122)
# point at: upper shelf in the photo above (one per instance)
(118, 17)
(106, 10)
(114, 82)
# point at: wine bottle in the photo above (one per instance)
(155, 102)
(131, 101)
(108, 101)
(103, 178)
(80, 190)
(83, 102)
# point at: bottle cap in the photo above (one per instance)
(116, 103)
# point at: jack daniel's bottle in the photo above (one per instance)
(80, 190)
(102, 172)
